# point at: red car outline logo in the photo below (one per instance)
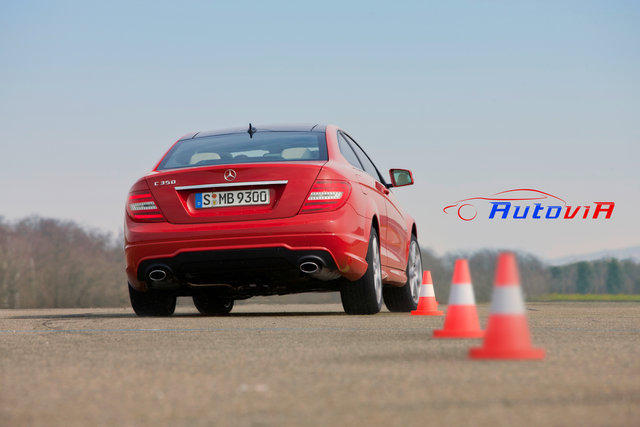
(498, 197)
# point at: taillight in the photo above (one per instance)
(326, 195)
(141, 207)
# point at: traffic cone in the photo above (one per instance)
(462, 317)
(427, 304)
(507, 331)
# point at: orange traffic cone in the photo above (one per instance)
(507, 331)
(427, 304)
(462, 317)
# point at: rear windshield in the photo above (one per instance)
(240, 148)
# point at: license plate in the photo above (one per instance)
(221, 199)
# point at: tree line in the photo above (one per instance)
(603, 276)
(54, 263)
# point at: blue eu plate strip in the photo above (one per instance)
(198, 200)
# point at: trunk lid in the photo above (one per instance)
(288, 184)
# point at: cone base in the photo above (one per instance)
(510, 353)
(443, 333)
(427, 313)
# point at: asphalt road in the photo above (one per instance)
(310, 364)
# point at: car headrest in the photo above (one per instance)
(199, 157)
(297, 153)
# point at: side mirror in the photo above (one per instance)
(401, 177)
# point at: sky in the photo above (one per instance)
(475, 97)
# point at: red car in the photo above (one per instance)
(236, 213)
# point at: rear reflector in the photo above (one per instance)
(141, 207)
(326, 195)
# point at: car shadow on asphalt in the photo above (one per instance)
(177, 315)
(74, 316)
(285, 314)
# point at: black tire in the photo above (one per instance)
(405, 298)
(212, 306)
(152, 302)
(363, 296)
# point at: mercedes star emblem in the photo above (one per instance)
(229, 174)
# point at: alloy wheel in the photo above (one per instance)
(377, 272)
(415, 271)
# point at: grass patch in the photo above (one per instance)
(589, 297)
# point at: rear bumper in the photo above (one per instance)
(342, 235)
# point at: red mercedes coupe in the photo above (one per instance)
(236, 213)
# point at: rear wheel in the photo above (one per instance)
(364, 296)
(405, 298)
(152, 302)
(211, 306)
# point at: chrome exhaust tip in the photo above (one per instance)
(309, 267)
(160, 276)
(157, 275)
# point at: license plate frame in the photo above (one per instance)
(232, 198)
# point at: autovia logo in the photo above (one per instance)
(528, 203)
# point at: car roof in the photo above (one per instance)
(263, 128)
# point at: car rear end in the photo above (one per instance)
(245, 214)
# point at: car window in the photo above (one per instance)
(347, 152)
(369, 167)
(264, 146)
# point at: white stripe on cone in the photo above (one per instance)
(462, 294)
(507, 300)
(426, 290)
